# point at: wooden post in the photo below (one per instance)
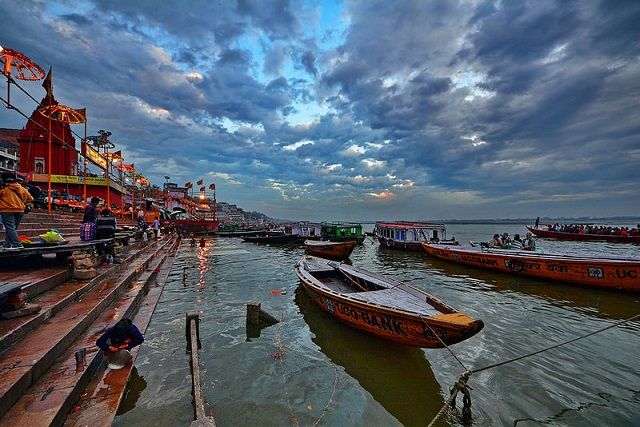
(193, 340)
(253, 313)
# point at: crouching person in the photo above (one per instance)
(123, 335)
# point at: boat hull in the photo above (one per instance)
(583, 237)
(607, 273)
(280, 239)
(331, 250)
(240, 233)
(405, 328)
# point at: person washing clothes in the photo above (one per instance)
(13, 202)
(123, 335)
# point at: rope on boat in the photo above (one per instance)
(462, 386)
(443, 343)
(621, 322)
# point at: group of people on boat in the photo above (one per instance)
(517, 243)
(594, 229)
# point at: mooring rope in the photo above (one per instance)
(621, 322)
(461, 384)
(444, 344)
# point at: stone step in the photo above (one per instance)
(53, 396)
(27, 360)
(97, 408)
(53, 293)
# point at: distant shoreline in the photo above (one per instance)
(530, 221)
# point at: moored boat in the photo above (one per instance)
(278, 238)
(382, 306)
(560, 235)
(609, 273)
(332, 250)
(342, 232)
(408, 235)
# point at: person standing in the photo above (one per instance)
(155, 225)
(13, 202)
(88, 227)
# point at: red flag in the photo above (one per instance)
(116, 154)
(82, 112)
(212, 187)
(200, 182)
(48, 83)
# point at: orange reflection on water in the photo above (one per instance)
(203, 263)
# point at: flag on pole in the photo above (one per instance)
(188, 185)
(82, 114)
(200, 182)
(202, 189)
(48, 83)
(212, 187)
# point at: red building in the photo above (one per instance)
(66, 169)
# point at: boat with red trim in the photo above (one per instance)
(382, 306)
(409, 234)
(609, 273)
(561, 235)
(332, 250)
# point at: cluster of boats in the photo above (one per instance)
(404, 314)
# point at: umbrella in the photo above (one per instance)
(16, 65)
(62, 114)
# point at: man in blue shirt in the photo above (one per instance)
(123, 335)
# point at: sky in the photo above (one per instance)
(356, 110)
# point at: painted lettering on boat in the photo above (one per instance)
(623, 274)
(558, 268)
(595, 272)
(479, 260)
(531, 266)
(375, 320)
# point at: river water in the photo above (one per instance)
(311, 370)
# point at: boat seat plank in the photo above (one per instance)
(337, 285)
(392, 298)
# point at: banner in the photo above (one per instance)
(70, 179)
(95, 157)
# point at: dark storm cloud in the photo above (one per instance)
(504, 105)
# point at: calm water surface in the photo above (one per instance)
(312, 370)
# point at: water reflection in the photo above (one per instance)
(398, 377)
(135, 386)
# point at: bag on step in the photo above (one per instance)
(88, 231)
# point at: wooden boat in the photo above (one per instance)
(609, 273)
(278, 238)
(342, 232)
(332, 250)
(382, 306)
(408, 235)
(584, 237)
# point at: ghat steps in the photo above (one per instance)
(40, 381)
